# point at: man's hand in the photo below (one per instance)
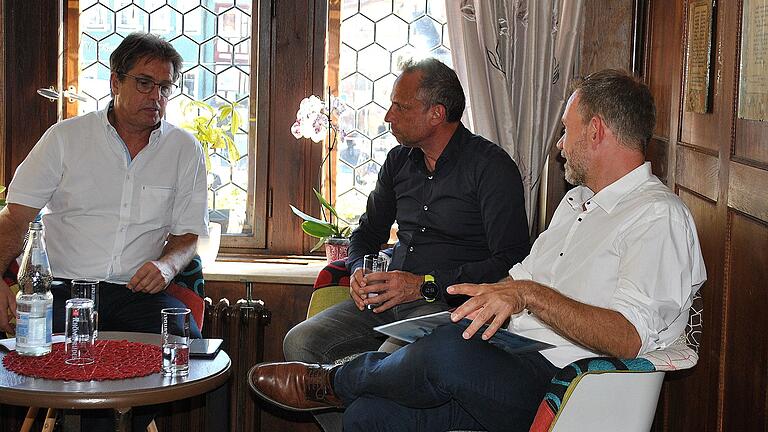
(393, 288)
(356, 285)
(7, 307)
(489, 302)
(152, 277)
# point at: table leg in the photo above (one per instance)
(50, 420)
(123, 419)
(29, 419)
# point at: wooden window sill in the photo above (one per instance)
(299, 270)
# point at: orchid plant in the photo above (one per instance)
(319, 120)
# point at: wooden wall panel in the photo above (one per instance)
(698, 172)
(746, 344)
(663, 44)
(682, 412)
(706, 130)
(288, 304)
(606, 49)
(751, 142)
(30, 63)
(297, 72)
(747, 190)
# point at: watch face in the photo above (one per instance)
(429, 290)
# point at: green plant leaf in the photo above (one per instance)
(320, 230)
(237, 120)
(325, 203)
(2, 189)
(233, 152)
(305, 216)
(317, 245)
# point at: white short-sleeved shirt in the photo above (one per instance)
(105, 214)
(632, 248)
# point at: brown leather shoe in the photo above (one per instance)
(295, 386)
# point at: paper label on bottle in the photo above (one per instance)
(22, 328)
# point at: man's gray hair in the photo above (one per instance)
(622, 101)
(139, 45)
(439, 86)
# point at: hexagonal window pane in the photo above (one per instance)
(357, 31)
(446, 37)
(347, 61)
(150, 5)
(233, 85)
(436, 9)
(242, 55)
(402, 54)
(425, 33)
(97, 21)
(375, 10)
(198, 83)
(382, 145)
(107, 46)
(84, 4)
(165, 22)
(373, 62)
(366, 176)
(410, 10)
(348, 8)
(351, 205)
(87, 54)
(131, 19)
(443, 54)
(370, 120)
(184, 5)
(216, 55)
(188, 50)
(174, 111)
(392, 32)
(234, 25)
(353, 150)
(199, 24)
(382, 90)
(357, 89)
(94, 81)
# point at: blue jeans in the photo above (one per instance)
(443, 382)
(120, 309)
(343, 330)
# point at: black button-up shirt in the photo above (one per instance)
(464, 222)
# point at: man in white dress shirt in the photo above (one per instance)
(614, 274)
(123, 195)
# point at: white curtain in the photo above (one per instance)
(515, 59)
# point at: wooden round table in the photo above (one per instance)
(204, 376)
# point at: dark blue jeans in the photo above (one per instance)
(443, 382)
(120, 309)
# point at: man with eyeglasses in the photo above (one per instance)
(123, 192)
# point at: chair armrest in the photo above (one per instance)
(323, 298)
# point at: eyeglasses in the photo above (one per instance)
(146, 85)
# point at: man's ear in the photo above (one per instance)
(437, 114)
(114, 80)
(596, 130)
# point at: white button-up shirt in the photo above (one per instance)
(632, 248)
(105, 214)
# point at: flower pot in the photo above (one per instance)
(336, 249)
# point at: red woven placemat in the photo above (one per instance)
(114, 359)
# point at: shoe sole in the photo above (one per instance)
(281, 405)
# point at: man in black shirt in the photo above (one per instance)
(458, 201)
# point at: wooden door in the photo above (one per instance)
(718, 165)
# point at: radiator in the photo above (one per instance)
(241, 326)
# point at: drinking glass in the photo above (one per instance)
(371, 264)
(79, 332)
(88, 289)
(175, 337)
